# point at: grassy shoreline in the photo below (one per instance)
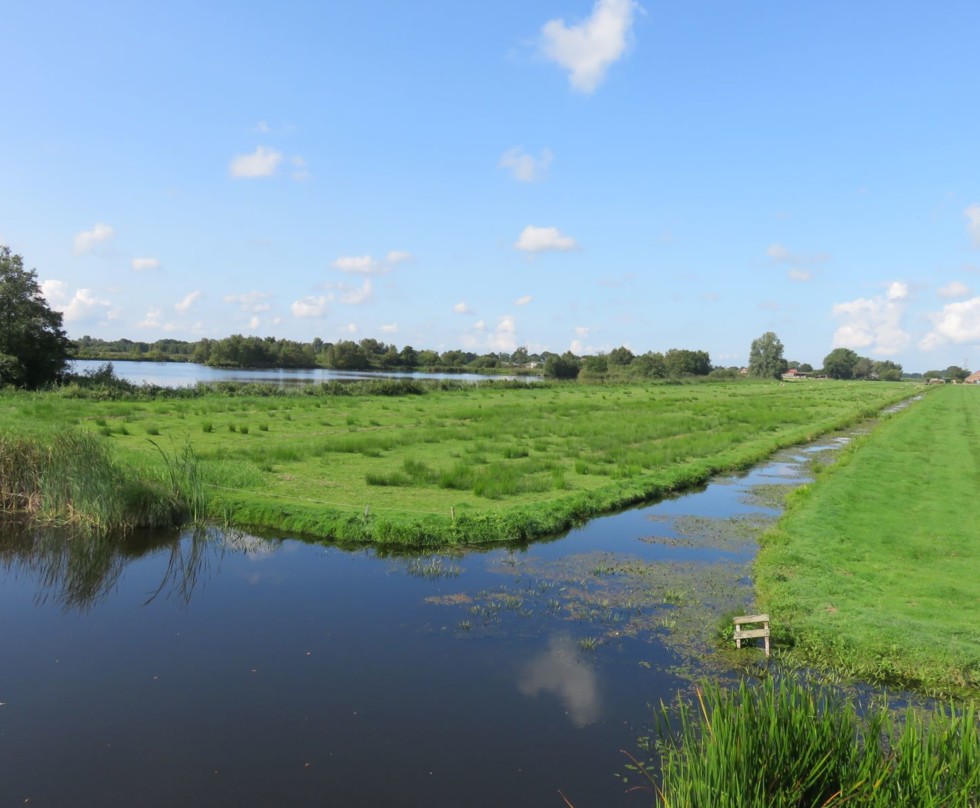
(415, 465)
(872, 571)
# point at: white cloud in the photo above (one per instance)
(972, 214)
(874, 323)
(462, 308)
(189, 299)
(390, 328)
(357, 264)
(957, 323)
(310, 307)
(301, 170)
(262, 162)
(398, 256)
(254, 323)
(954, 289)
(480, 325)
(368, 265)
(799, 275)
(82, 306)
(254, 302)
(799, 264)
(582, 330)
(587, 49)
(523, 167)
(503, 337)
(538, 239)
(151, 320)
(87, 239)
(354, 296)
(778, 252)
(144, 264)
(523, 301)
(351, 328)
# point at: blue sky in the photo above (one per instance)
(550, 173)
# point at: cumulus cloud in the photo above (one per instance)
(262, 162)
(152, 319)
(254, 302)
(954, 289)
(778, 252)
(873, 323)
(799, 275)
(188, 300)
(503, 336)
(957, 323)
(310, 307)
(397, 257)
(144, 264)
(78, 307)
(390, 328)
(972, 214)
(354, 296)
(587, 49)
(523, 301)
(539, 239)
(462, 308)
(87, 239)
(522, 166)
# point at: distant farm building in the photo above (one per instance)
(973, 378)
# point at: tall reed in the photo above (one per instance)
(785, 743)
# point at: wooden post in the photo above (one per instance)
(749, 633)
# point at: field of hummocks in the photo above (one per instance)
(483, 463)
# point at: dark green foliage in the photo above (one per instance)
(566, 366)
(840, 363)
(33, 347)
(766, 357)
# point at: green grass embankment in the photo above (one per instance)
(874, 570)
(477, 464)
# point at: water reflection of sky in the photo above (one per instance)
(562, 672)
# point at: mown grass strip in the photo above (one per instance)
(875, 569)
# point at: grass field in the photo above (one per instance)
(482, 463)
(875, 569)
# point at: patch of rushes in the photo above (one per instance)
(495, 462)
(872, 571)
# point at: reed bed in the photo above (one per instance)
(785, 743)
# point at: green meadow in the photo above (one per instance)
(423, 465)
(875, 569)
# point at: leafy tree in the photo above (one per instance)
(650, 365)
(594, 367)
(766, 357)
(863, 368)
(520, 356)
(565, 366)
(888, 371)
(839, 363)
(620, 356)
(955, 373)
(33, 347)
(682, 362)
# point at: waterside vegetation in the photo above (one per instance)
(412, 464)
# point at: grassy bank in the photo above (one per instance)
(873, 570)
(494, 462)
(782, 743)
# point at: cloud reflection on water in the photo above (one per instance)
(562, 671)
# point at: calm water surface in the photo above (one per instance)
(183, 374)
(223, 669)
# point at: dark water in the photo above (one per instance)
(183, 374)
(222, 669)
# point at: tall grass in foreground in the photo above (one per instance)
(68, 478)
(784, 743)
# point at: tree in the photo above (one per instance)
(840, 363)
(565, 366)
(766, 357)
(955, 373)
(33, 347)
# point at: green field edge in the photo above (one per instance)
(514, 525)
(926, 661)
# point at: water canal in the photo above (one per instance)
(224, 669)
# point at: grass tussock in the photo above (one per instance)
(782, 744)
(70, 479)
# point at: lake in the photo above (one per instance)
(218, 668)
(183, 374)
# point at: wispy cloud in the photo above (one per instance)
(390, 328)
(972, 214)
(311, 307)
(144, 264)
(254, 302)
(539, 239)
(187, 301)
(587, 49)
(368, 265)
(523, 301)
(462, 308)
(874, 323)
(263, 162)
(87, 239)
(954, 289)
(800, 265)
(524, 167)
